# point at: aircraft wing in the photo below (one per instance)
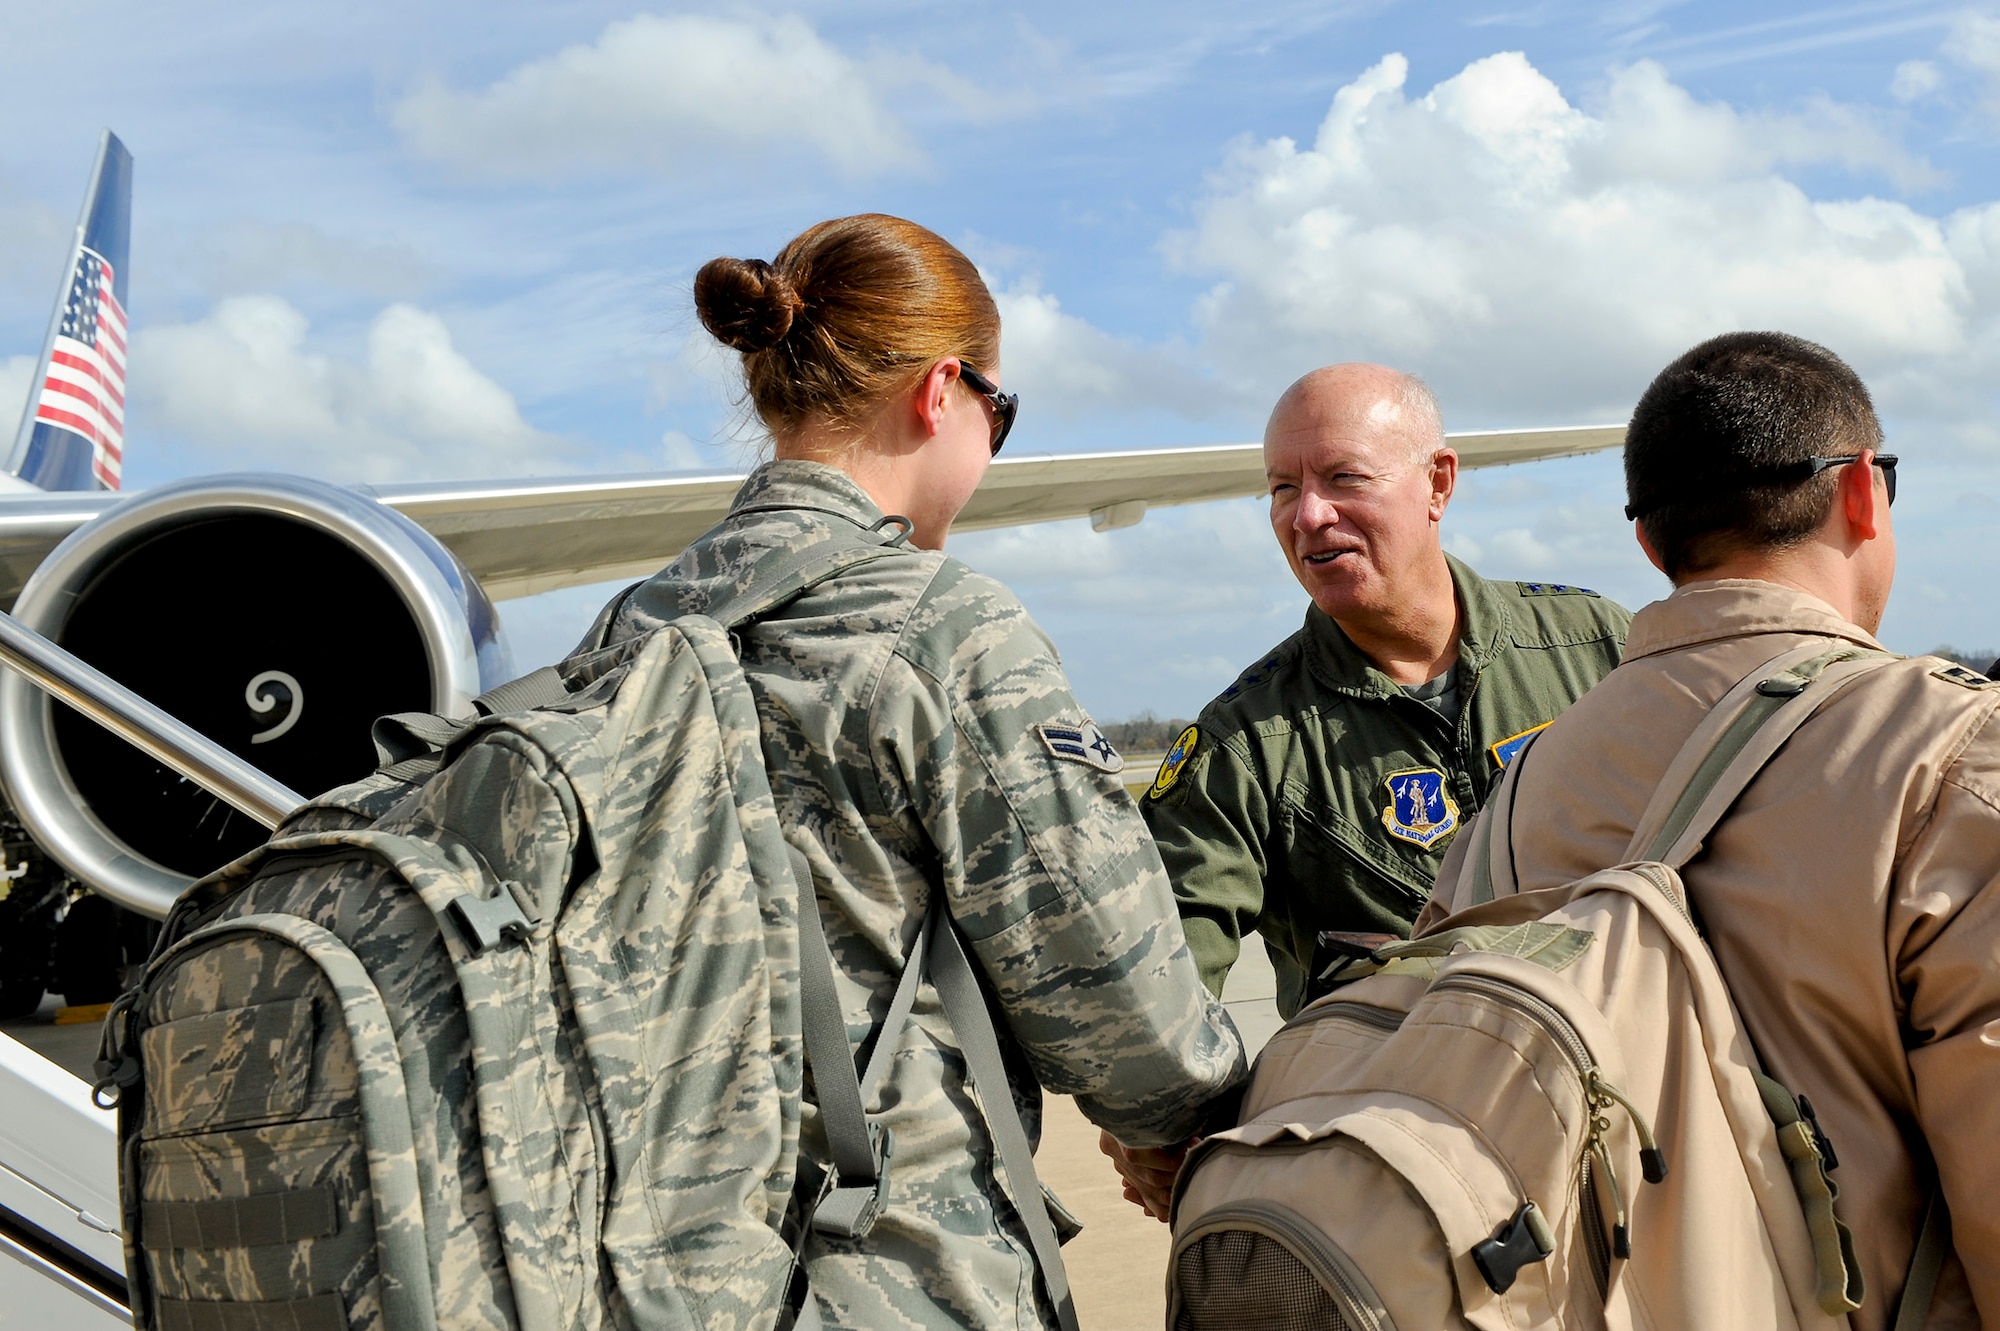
(519, 537)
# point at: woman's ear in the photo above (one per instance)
(930, 395)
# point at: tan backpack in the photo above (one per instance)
(1545, 1112)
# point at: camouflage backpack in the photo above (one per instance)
(512, 1033)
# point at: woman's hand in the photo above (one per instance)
(1149, 1172)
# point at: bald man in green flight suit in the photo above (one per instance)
(1320, 791)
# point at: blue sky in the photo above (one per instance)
(451, 240)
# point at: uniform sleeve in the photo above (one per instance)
(1048, 869)
(1211, 826)
(1947, 911)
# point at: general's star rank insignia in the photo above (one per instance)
(1420, 809)
(1084, 744)
(1175, 762)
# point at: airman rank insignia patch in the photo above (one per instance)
(1420, 810)
(1552, 589)
(1084, 744)
(1175, 762)
(1503, 752)
(1959, 674)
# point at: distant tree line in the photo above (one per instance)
(1146, 733)
(1978, 660)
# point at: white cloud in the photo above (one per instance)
(244, 382)
(248, 255)
(17, 375)
(1070, 367)
(1915, 80)
(659, 89)
(1974, 42)
(1534, 258)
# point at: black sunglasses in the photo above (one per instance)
(1812, 467)
(1005, 405)
(1803, 470)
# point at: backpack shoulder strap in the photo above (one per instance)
(1734, 742)
(857, 1185)
(1718, 761)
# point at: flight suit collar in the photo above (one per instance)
(1735, 608)
(786, 483)
(1338, 664)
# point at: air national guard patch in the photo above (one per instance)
(1175, 762)
(1420, 810)
(1084, 744)
(1503, 752)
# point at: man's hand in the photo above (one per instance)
(1149, 1172)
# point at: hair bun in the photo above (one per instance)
(746, 303)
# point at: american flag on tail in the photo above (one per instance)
(72, 431)
(84, 390)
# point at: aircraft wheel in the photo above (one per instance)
(88, 955)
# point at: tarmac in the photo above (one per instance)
(1117, 1266)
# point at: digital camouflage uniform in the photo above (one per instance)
(1318, 795)
(903, 706)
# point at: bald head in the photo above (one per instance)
(1359, 400)
(1359, 474)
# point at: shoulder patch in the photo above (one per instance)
(1084, 744)
(1552, 589)
(1964, 676)
(1175, 762)
(1504, 751)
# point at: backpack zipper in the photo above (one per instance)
(1651, 871)
(1598, 1093)
(1367, 1014)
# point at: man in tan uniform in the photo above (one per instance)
(1853, 896)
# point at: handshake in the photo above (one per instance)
(1149, 1172)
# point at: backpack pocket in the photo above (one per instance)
(1264, 1265)
(277, 1184)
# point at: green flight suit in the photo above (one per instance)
(1320, 796)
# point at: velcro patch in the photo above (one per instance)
(1964, 676)
(1552, 589)
(1175, 762)
(1084, 744)
(1503, 752)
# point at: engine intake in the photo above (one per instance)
(278, 616)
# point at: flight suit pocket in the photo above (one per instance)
(1337, 884)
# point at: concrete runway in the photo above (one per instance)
(1117, 1266)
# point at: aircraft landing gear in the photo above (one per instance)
(89, 956)
(34, 897)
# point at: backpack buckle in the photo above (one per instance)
(849, 1210)
(486, 922)
(1523, 1240)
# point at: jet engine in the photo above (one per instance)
(278, 616)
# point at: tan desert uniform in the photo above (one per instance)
(1851, 899)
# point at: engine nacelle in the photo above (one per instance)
(278, 616)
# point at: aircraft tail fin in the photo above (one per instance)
(72, 432)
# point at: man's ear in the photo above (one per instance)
(1646, 544)
(1444, 480)
(1859, 500)
(929, 399)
